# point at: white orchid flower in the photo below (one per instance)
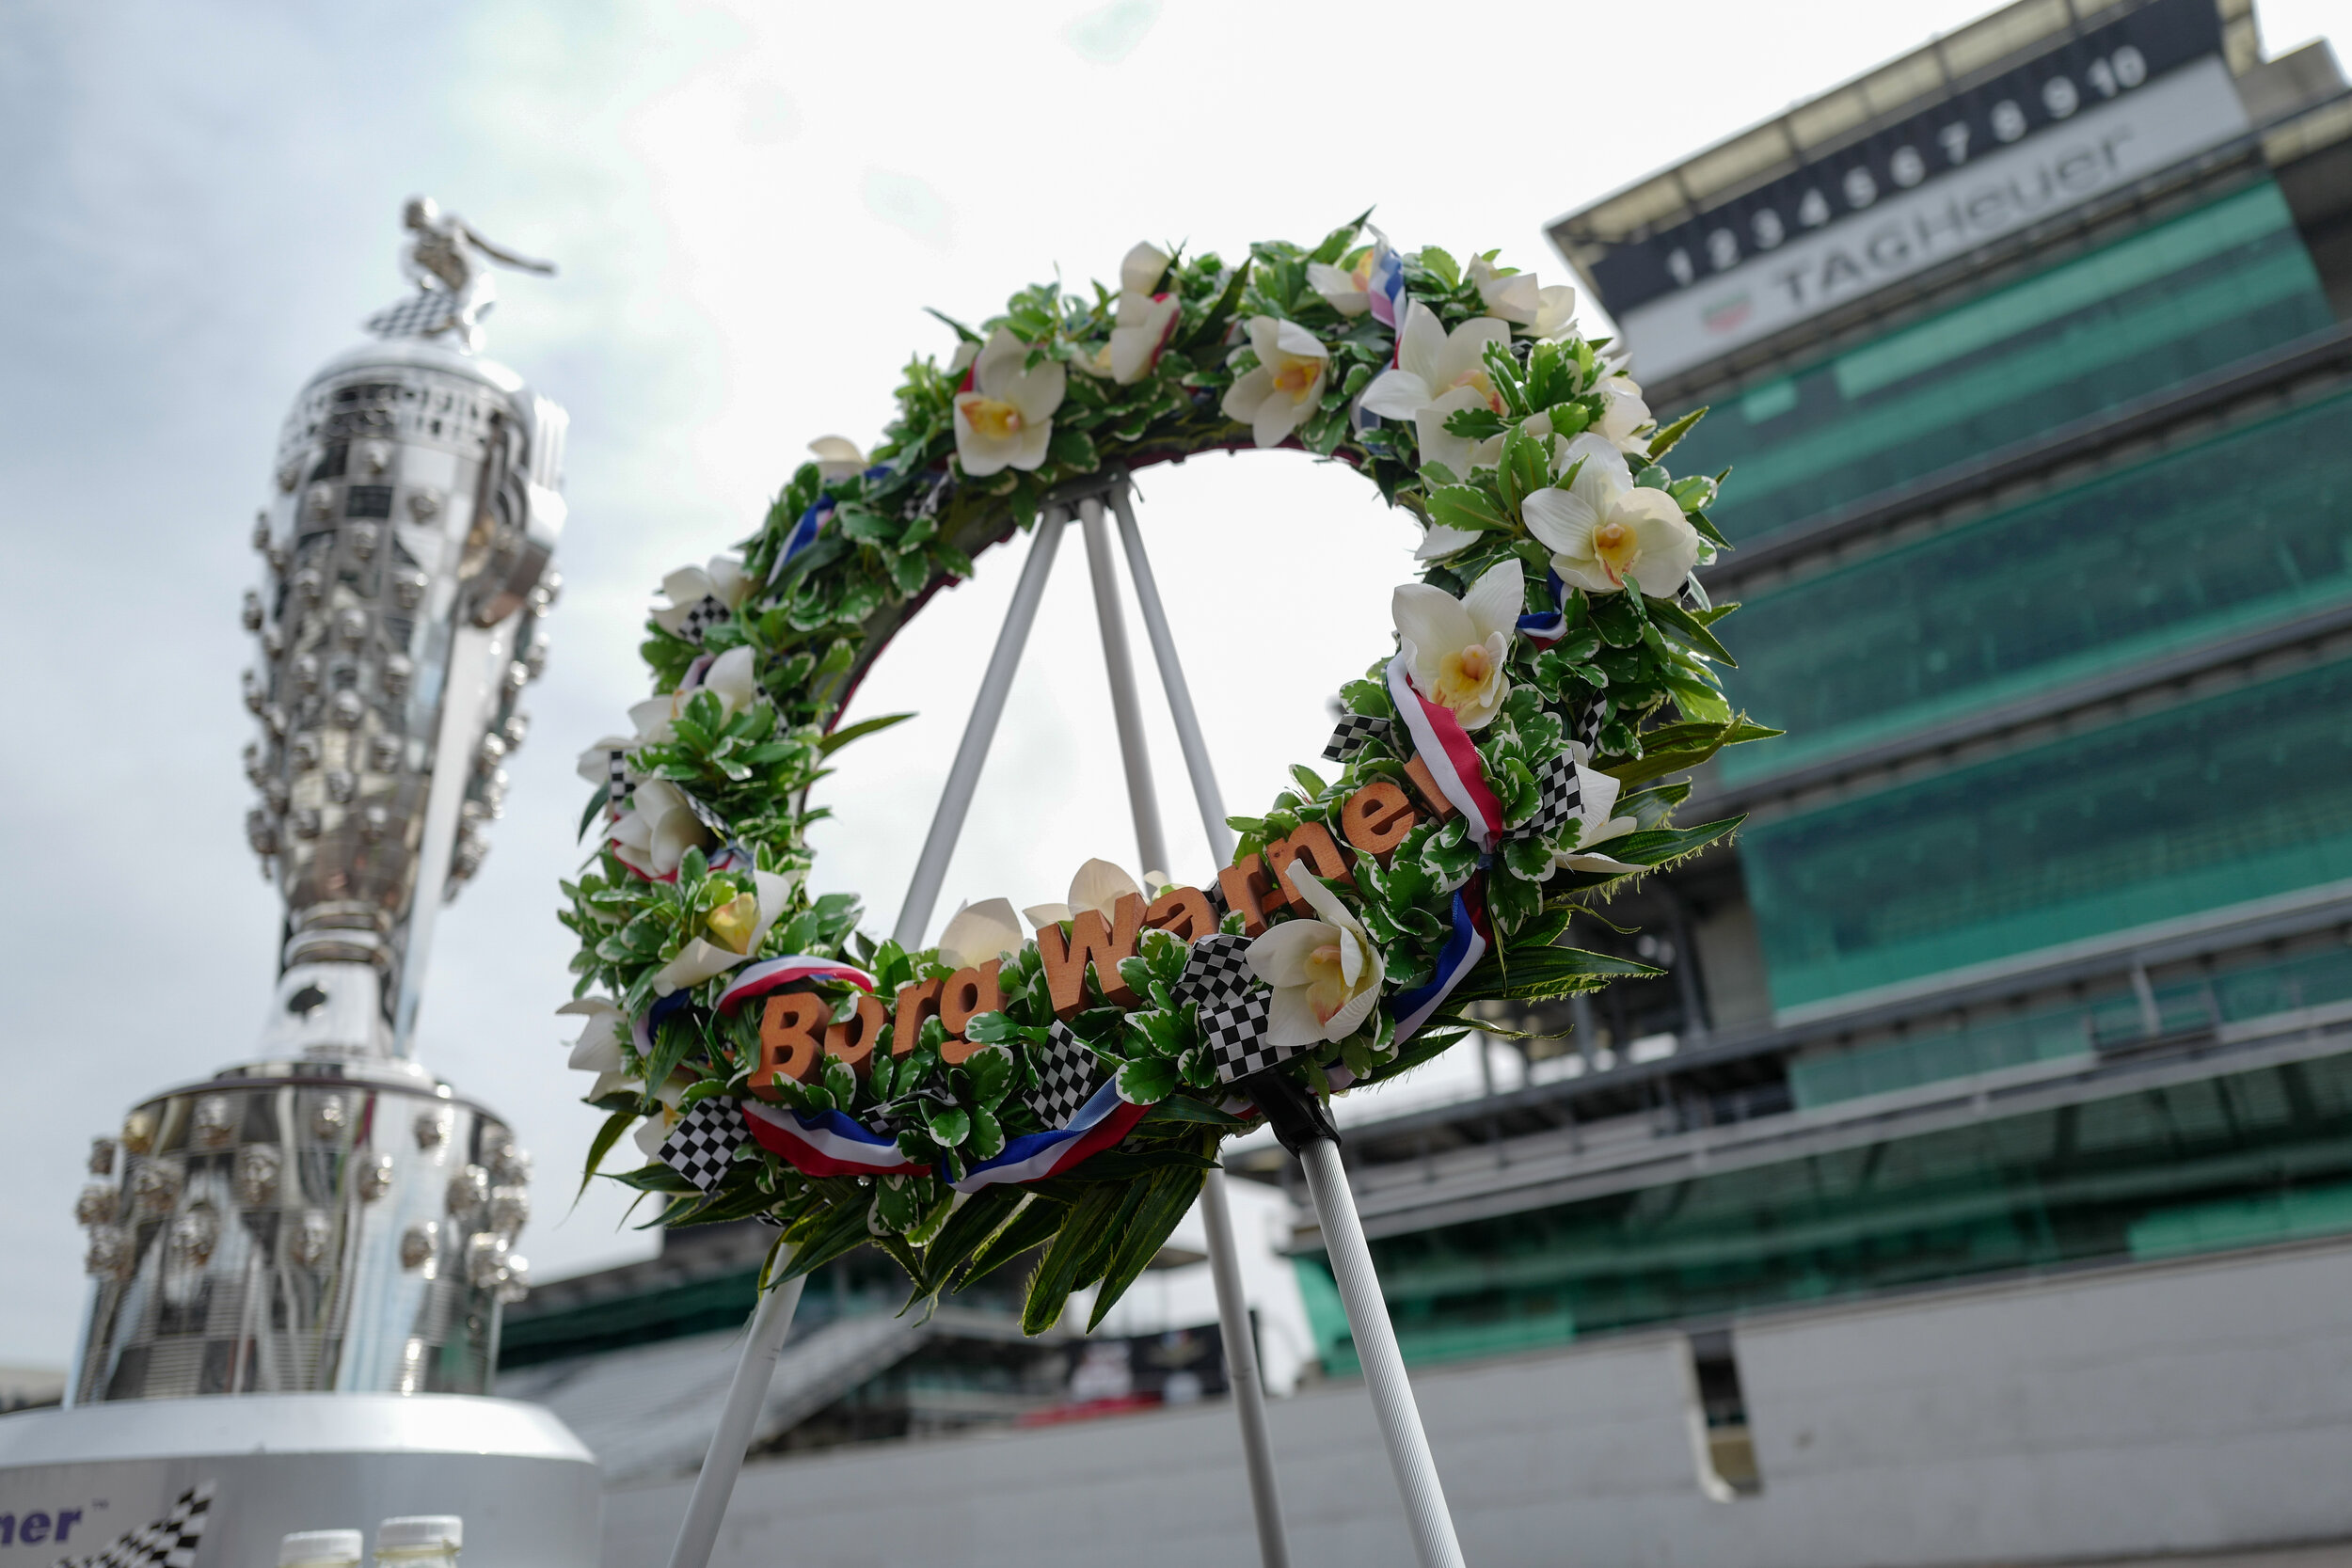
(654, 835)
(1348, 289)
(1596, 798)
(723, 581)
(978, 932)
(729, 677)
(838, 457)
(1325, 973)
(1142, 269)
(1605, 531)
(1098, 886)
(1286, 387)
(599, 1047)
(1456, 649)
(1437, 373)
(1006, 420)
(1516, 297)
(1439, 541)
(596, 763)
(1624, 412)
(737, 930)
(654, 1128)
(1144, 324)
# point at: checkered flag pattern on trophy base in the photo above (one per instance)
(421, 315)
(1233, 1005)
(702, 1144)
(707, 613)
(1558, 796)
(1067, 1076)
(1354, 730)
(170, 1541)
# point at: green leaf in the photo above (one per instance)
(848, 733)
(1441, 265)
(602, 1144)
(595, 804)
(1688, 629)
(1038, 1220)
(1147, 1080)
(1167, 1198)
(949, 1125)
(1475, 424)
(1664, 442)
(1466, 506)
(1544, 974)
(989, 1074)
(1179, 1107)
(1678, 747)
(981, 1216)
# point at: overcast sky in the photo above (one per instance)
(750, 206)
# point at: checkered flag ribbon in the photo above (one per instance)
(1067, 1076)
(1558, 795)
(1233, 1004)
(706, 613)
(702, 1146)
(170, 1541)
(617, 785)
(1355, 729)
(1588, 727)
(423, 314)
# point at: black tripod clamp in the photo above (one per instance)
(1297, 1116)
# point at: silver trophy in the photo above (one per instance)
(330, 1217)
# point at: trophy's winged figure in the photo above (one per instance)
(446, 260)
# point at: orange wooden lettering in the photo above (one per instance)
(1376, 817)
(1092, 940)
(1426, 782)
(788, 1040)
(852, 1039)
(1311, 842)
(1183, 913)
(917, 1000)
(1248, 887)
(969, 991)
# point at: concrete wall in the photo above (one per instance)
(2174, 1407)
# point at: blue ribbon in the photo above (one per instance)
(1552, 625)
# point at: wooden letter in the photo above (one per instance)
(1090, 940)
(1426, 782)
(788, 1040)
(1376, 817)
(1183, 913)
(969, 991)
(853, 1040)
(1248, 887)
(917, 1000)
(1311, 842)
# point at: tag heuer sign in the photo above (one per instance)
(2103, 109)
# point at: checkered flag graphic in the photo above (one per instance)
(1355, 729)
(170, 1541)
(707, 613)
(1588, 727)
(617, 785)
(1067, 1076)
(423, 314)
(1233, 1004)
(1558, 795)
(702, 1144)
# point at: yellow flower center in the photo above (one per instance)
(993, 418)
(1295, 378)
(1615, 548)
(1463, 675)
(733, 922)
(1327, 982)
(1479, 382)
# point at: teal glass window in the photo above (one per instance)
(2249, 528)
(2234, 1160)
(2230, 798)
(2158, 308)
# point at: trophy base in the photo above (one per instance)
(74, 1482)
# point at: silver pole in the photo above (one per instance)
(1241, 1370)
(1204, 790)
(772, 1318)
(1232, 1303)
(963, 775)
(1392, 1404)
(1142, 799)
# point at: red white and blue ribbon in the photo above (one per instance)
(827, 1144)
(1467, 945)
(813, 522)
(1097, 1125)
(1545, 629)
(640, 1029)
(1384, 289)
(1445, 748)
(773, 973)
